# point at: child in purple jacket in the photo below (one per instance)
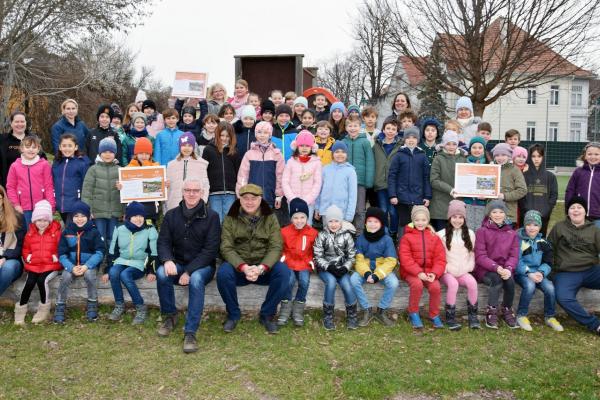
(583, 182)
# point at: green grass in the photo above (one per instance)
(107, 360)
(563, 180)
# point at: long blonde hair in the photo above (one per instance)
(9, 222)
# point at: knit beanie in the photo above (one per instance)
(283, 109)
(449, 136)
(137, 115)
(105, 109)
(477, 139)
(42, 210)
(187, 138)
(80, 208)
(107, 144)
(264, 126)
(339, 145)
(189, 110)
(457, 207)
(577, 200)
(412, 131)
(532, 217)
(267, 105)
(464, 102)
(134, 208)
(375, 212)
(416, 210)
(248, 111)
(305, 138)
(301, 100)
(142, 145)
(334, 213)
(495, 204)
(353, 107)
(502, 149)
(297, 205)
(519, 151)
(148, 104)
(338, 105)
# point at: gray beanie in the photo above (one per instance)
(494, 205)
(334, 212)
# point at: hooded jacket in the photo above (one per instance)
(383, 160)
(263, 167)
(298, 247)
(408, 177)
(63, 126)
(442, 182)
(495, 246)
(324, 150)
(575, 248)
(360, 154)
(134, 249)
(338, 187)
(585, 182)
(542, 191)
(244, 137)
(166, 145)
(377, 258)
(222, 168)
(535, 255)
(81, 246)
(99, 190)
(29, 182)
(178, 170)
(459, 260)
(421, 251)
(513, 186)
(302, 179)
(92, 143)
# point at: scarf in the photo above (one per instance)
(138, 134)
(373, 237)
(476, 160)
(189, 213)
(34, 160)
(133, 228)
(238, 102)
(304, 159)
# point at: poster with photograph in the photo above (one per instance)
(190, 84)
(477, 180)
(143, 184)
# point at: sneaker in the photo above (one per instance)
(524, 323)
(366, 317)
(141, 313)
(168, 325)
(190, 344)
(269, 324)
(509, 317)
(59, 313)
(381, 316)
(117, 312)
(554, 324)
(415, 320)
(229, 325)
(491, 317)
(437, 322)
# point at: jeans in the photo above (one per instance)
(303, 278)
(528, 290)
(166, 293)
(228, 279)
(221, 203)
(361, 209)
(128, 275)
(10, 271)
(65, 282)
(495, 284)
(106, 226)
(330, 282)
(390, 282)
(567, 284)
(388, 209)
(27, 217)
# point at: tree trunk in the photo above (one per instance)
(7, 88)
(478, 107)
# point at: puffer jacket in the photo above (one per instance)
(535, 255)
(495, 246)
(284, 143)
(324, 151)
(62, 126)
(244, 137)
(298, 247)
(383, 160)
(378, 258)
(68, 175)
(40, 252)
(302, 179)
(100, 191)
(81, 246)
(514, 188)
(222, 169)
(442, 182)
(129, 143)
(408, 177)
(335, 247)
(166, 145)
(92, 143)
(134, 249)
(180, 169)
(263, 168)
(421, 251)
(585, 182)
(338, 188)
(459, 260)
(254, 243)
(360, 154)
(27, 184)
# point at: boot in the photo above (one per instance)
(92, 310)
(328, 322)
(141, 313)
(367, 316)
(20, 313)
(491, 317)
(284, 312)
(415, 320)
(381, 316)
(42, 314)
(298, 313)
(117, 312)
(473, 319)
(168, 325)
(59, 313)
(190, 344)
(352, 317)
(451, 318)
(509, 317)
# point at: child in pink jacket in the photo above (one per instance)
(30, 179)
(302, 174)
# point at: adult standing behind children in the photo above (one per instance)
(69, 123)
(240, 96)
(216, 97)
(10, 143)
(154, 120)
(12, 233)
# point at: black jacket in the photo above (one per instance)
(222, 169)
(92, 142)
(542, 191)
(244, 137)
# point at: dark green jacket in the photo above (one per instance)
(383, 161)
(575, 248)
(99, 190)
(442, 182)
(514, 188)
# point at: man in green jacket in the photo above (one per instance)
(251, 247)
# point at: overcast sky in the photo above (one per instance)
(203, 36)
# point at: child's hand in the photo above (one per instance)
(167, 184)
(317, 216)
(184, 279)
(422, 276)
(151, 277)
(394, 201)
(501, 196)
(370, 279)
(105, 278)
(278, 203)
(119, 185)
(538, 277)
(453, 193)
(19, 209)
(54, 258)
(431, 277)
(28, 259)
(426, 202)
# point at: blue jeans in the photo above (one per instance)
(330, 282)
(106, 226)
(567, 284)
(166, 293)
(528, 290)
(228, 279)
(27, 217)
(388, 209)
(128, 275)
(390, 282)
(221, 203)
(303, 278)
(10, 271)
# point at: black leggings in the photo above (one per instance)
(41, 280)
(495, 284)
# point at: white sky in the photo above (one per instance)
(203, 36)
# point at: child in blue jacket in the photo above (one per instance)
(166, 144)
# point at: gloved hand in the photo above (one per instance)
(338, 272)
(332, 265)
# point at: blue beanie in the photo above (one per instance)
(135, 208)
(107, 144)
(464, 102)
(339, 145)
(338, 105)
(80, 208)
(297, 205)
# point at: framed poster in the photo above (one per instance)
(477, 180)
(143, 184)
(190, 84)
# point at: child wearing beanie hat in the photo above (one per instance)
(475, 206)
(300, 104)
(166, 144)
(133, 254)
(535, 265)
(337, 119)
(284, 131)
(267, 110)
(93, 141)
(298, 239)
(422, 263)
(458, 241)
(143, 158)
(334, 255)
(519, 158)
(137, 129)
(376, 260)
(512, 182)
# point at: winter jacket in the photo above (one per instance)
(459, 260)
(360, 154)
(302, 179)
(81, 246)
(324, 151)
(222, 169)
(40, 252)
(495, 246)
(196, 126)
(68, 175)
(535, 255)
(152, 207)
(244, 137)
(585, 182)
(192, 243)
(542, 191)
(178, 170)
(263, 167)
(430, 151)
(335, 247)
(11, 243)
(214, 107)
(378, 258)
(253, 243)
(63, 126)
(134, 249)
(513, 186)
(371, 136)
(92, 143)
(474, 200)
(99, 190)
(421, 251)
(469, 131)
(29, 182)
(312, 128)
(284, 143)
(322, 115)
(442, 182)
(575, 248)
(383, 160)
(129, 144)
(408, 177)
(338, 187)
(166, 145)
(298, 247)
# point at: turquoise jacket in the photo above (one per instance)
(360, 155)
(134, 249)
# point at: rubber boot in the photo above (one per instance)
(42, 314)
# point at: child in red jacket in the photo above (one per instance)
(40, 254)
(422, 263)
(298, 239)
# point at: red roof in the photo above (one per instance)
(414, 77)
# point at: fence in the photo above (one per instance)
(558, 154)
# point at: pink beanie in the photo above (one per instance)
(519, 151)
(457, 207)
(305, 138)
(264, 126)
(42, 210)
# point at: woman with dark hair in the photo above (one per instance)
(12, 233)
(401, 103)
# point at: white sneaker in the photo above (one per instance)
(525, 324)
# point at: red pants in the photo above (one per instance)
(416, 291)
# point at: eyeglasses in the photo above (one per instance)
(191, 191)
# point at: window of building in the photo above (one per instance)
(575, 131)
(531, 96)
(577, 95)
(530, 130)
(554, 90)
(553, 131)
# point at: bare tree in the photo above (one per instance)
(344, 77)
(493, 47)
